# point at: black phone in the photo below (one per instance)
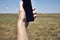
(28, 10)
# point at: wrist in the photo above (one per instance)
(22, 20)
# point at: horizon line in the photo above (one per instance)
(37, 13)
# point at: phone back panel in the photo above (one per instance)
(28, 10)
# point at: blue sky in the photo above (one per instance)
(42, 6)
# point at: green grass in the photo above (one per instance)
(45, 27)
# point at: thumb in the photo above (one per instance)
(21, 5)
(21, 10)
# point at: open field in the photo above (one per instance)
(45, 27)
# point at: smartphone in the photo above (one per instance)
(28, 10)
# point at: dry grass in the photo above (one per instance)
(45, 27)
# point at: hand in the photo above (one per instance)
(21, 13)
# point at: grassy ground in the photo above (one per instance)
(45, 27)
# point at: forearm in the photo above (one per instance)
(22, 33)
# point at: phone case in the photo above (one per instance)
(28, 10)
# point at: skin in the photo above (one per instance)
(22, 24)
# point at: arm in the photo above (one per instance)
(22, 32)
(22, 24)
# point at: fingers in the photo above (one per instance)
(34, 13)
(33, 9)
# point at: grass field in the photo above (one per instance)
(45, 27)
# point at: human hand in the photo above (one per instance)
(22, 13)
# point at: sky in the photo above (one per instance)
(42, 6)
